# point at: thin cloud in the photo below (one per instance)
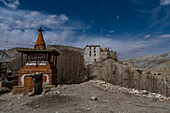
(111, 31)
(165, 2)
(164, 36)
(14, 4)
(147, 36)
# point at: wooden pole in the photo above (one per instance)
(36, 59)
(21, 59)
(56, 61)
(53, 60)
(27, 57)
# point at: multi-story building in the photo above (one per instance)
(94, 53)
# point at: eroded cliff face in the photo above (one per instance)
(154, 62)
(126, 75)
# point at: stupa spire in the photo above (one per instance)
(40, 43)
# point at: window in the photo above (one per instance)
(94, 54)
(94, 47)
(90, 54)
(95, 60)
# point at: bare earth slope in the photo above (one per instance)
(156, 62)
(88, 97)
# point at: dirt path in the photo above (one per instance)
(81, 98)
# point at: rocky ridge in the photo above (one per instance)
(155, 62)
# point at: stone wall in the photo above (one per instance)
(123, 74)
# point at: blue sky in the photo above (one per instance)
(130, 27)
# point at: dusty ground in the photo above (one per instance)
(82, 98)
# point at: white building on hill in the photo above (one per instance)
(94, 53)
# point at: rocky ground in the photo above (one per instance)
(94, 96)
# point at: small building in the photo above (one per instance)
(38, 60)
(94, 53)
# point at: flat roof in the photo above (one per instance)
(92, 45)
(28, 51)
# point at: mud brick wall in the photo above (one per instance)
(17, 89)
(130, 77)
(28, 85)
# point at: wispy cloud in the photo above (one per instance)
(147, 36)
(164, 36)
(23, 19)
(165, 2)
(157, 13)
(11, 3)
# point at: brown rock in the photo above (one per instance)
(37, 106)
(145, 92)
(10, 104)
(161, 100)
(10, 109)
(20, 96)
(93, 98)
(58, 85)
(31, 93)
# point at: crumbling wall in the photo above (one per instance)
(125, 75)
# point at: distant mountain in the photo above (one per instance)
(12, 52)
(155, 62)
(4, 56)
(3, 49)
(163, 67)
(61, 47)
